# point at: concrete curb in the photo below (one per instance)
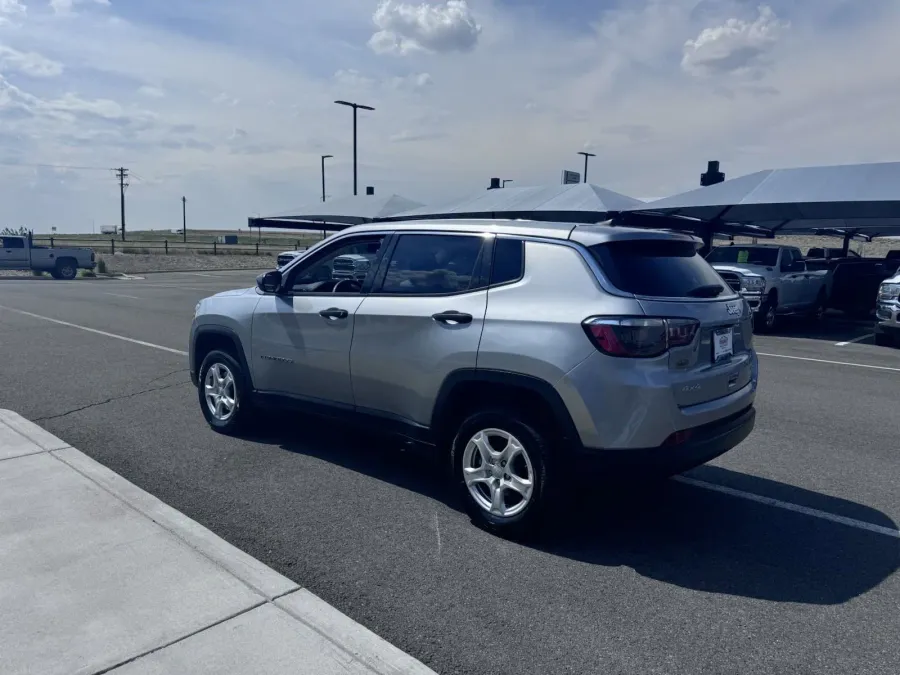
(375, 653)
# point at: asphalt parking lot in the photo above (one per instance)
(779, 557)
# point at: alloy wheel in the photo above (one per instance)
(220, 392)
(498, 472)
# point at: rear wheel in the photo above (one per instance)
(66, 269)
(817, 313)
(500, 467)
(224, 393)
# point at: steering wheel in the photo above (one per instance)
(356, 286)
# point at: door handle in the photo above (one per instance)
(334, 313)
(452, 316)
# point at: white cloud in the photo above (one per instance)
(413, 82)
(736, 46)
(226, 100)
(405, 28)
(151, 92)
(11, 9)
(66, 6)
(29, 63)
(352, 79)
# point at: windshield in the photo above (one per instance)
(746, 255)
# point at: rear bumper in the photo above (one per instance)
(702, 444)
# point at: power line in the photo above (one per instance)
(55, 166)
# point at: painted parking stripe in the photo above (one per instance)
(835, 363)
(95, 331)
(788, 506)
(854, 340)
(119, 295)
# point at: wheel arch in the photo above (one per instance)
(466, 389)
(210, 338)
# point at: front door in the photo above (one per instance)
(422, 321)
(302, 335)
(13, 254)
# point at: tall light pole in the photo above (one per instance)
(355, 106)
(586, 155)
(324, 157)
(184, 219)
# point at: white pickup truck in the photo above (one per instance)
(774, 280)
(18, 253)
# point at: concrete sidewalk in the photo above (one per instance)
(98, 576)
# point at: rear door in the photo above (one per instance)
(664, 275)
(14, 253)
(422, 321)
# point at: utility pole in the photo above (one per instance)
(184, 219)
(324, 157)
(122, 175)
(355, 107)
(586, 155)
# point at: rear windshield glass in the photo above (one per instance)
(747, 255)
(663, 269)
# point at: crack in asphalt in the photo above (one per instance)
(162, 377)
(111, 399)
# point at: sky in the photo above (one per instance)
(230, 103)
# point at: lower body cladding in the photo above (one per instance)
(638, 423)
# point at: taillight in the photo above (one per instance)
(639, 337)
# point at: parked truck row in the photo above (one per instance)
(779, 280)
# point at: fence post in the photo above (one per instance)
(51, 242)
(112, 246)
(257, 248)
(214, 249)
(166, 241)
(298, 244)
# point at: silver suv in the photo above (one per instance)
(514, 347)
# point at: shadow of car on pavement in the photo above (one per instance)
(674, 532)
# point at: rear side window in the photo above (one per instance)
(509, 261)
(663, 269)
(12, 242)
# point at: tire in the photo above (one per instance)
(817, 313)
(232, 382)
(55, 274)
(766, 318)
(66, 269)
(504, 430)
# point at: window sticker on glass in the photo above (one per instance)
(743, 256)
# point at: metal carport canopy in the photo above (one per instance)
(339, 213)
(848, 199)
(581, 203)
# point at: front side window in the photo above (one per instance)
(433, 264)
(341, 268)
(13, 242)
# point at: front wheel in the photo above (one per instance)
(500, 466)
(223, 392)
(767, 316)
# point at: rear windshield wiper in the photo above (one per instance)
(708, 291)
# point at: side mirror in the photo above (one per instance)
(269, 282)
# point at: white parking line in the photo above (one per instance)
(854, 340)
(119, 295)
(788, 506)
(835, 363)
(98, 332)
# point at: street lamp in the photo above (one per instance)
(355, 107)
(324, 157)
(586, 155)
(184, 219)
